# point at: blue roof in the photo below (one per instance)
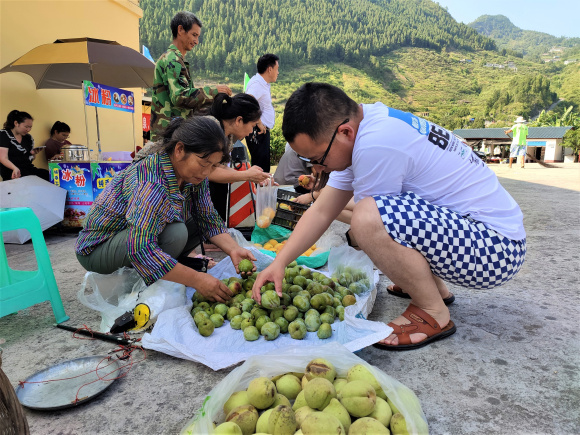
(498, 133)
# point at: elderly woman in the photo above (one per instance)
(157, 210)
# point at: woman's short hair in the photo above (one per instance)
(16, 116)
(59, 127)
(225, 107)
(201, 135)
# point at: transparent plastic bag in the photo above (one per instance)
(266, 198)
(352, 268)
(116, 293)
(295, 359)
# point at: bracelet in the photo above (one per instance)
(312, 195)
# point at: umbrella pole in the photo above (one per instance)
(85, 109)
(97, 118)
(134, 142)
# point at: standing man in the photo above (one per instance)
(518, 148)
(173, 91)
(259, 86)
(427, 209)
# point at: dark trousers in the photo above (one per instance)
(176, 239)
(259, 146)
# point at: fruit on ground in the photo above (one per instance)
(206, 327)
(335, 408)
(261, 392)
(289, 386)
(398, 425)
(382, 412)
(270, 331)
(297, 329)
(228, 428)
(318, 392)
(299, 402)
(322, 423)
(325, 331)
(360, 373)
(301, 415)
(246, 417)
(320, 368)
(280, 400)
(262, 425)
(251, 333)
(282, 421)
(359, 398)
(239, 398)
(367, 425)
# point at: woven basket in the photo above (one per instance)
(12, 418)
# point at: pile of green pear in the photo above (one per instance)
(315, 402)
(356, 280)
(310, 302)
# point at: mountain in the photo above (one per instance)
(527, 43)
(236, 32)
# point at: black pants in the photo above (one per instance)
(25, 172)
(259, 146)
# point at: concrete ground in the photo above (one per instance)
(511, 368)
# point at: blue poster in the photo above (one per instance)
(107, 97)
(76, 179)
(103, 173)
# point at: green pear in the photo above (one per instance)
(228, 428)
(318, 393)
(322, 423)
(358, 397)
(301, 415)
(246, 417)
(367, 425)
(382, 412)
(262, 425)
(280, 400)
(239, 398)
(289, 385)
(360, 373)
(398, 424)
(261, 392)
(320, 368)
(339, 383)
(299, 402)
(282, 421)
(335, 408)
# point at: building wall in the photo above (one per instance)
(25, 24)
(553, 151)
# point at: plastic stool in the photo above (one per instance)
(22, 289)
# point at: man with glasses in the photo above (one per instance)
(427, 209)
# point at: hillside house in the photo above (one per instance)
(543, 143)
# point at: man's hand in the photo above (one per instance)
(212, 288)
(261, 127)
(15, 173)
(224, 89)
(304, 199)
(256, 174)
(273, 273)
(238, 255)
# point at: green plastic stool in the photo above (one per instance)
(22, 289)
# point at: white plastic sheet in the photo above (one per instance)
(294, 359)
(176, 334)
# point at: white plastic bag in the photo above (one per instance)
(345, 260)
(266, 199)
(295, 359)
(116, 293)
(176, 334)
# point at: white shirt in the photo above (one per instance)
(260, 89)
(397, 152)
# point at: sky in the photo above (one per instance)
(555, 17)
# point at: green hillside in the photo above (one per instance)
(236, 32)
(527, 43)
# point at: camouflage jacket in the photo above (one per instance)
(173, 91)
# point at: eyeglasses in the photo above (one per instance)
(321, 163)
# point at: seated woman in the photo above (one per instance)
(156, 211)
(59, 134)
(17, 149)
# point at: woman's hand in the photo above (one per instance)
(15, 173)
(304, 199)
(238, 255)
(212, 288)
(224, 89)
(256, 174)
(273, 273)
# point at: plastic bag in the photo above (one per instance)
(352, 268)
(176, 334)
(116, 293)
(295, 359)
(266, 198)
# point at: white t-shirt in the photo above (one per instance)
(260, 90)
(397, 152)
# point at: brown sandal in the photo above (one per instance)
(421, 322)
(398, 291)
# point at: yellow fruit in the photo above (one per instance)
(268, 246)
(272, 242)
(269, 212)
(263, 221)
(307, 253)
(313, 247)
(257, 245)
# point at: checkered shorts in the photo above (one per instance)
(459, 250)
